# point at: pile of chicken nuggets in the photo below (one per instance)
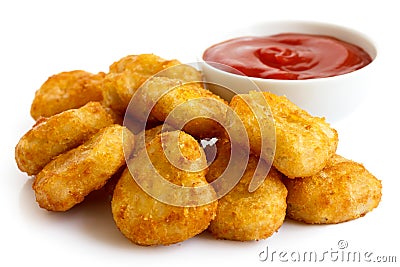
(127, 128)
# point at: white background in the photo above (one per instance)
(41, 38)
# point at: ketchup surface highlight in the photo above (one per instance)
(288, 56)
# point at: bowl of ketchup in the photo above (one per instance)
(324, 68)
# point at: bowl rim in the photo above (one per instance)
(299, 23)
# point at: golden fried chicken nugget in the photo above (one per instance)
(180, 94)
(344, 190)
(67, 90)
(304, 143)
(67, 179)
(127, 75)
(222, 156)
(242, 215)
(57, 134)
(205, 126)
(149, 219)
(144, 137)
(187, 106)
(182, 72)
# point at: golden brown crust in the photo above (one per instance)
(186, 105)
(127, 75)
(344, 190)
(147, 221)
(67, 90)
(242, 215)
(67, 179)
(52, 136)
(304, 143)
(144, 137)
(182, 72)
(221, 160)
(77, 146)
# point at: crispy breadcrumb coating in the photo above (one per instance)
(144, 219)
(242, 215)
(186, 106)
(67, 90)
(127, 75)
(344, 190)
(67, 179)
(57, 134)
(304, 143)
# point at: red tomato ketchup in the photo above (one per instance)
(288, 56)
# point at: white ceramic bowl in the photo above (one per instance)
(331, 97)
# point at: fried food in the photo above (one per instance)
(166, 193)
(145, 219)
(254, 113)
(186, 106)
(144, 137)
(67, 179)
(242, 215)
(57, 134)
(127, 75)
(304, 143)
(67, 90)
(344, 190)
(182, 72)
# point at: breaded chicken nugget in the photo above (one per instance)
(186, 105)
(180, 94)
(67, 90)
(57, 134)
(304, 143)
(257, 118)
(145, 219)
(127, 75)
(242, 215)
(344, 190)
(182, 72)
(146, 136)
(221, 160)
(67, 179)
